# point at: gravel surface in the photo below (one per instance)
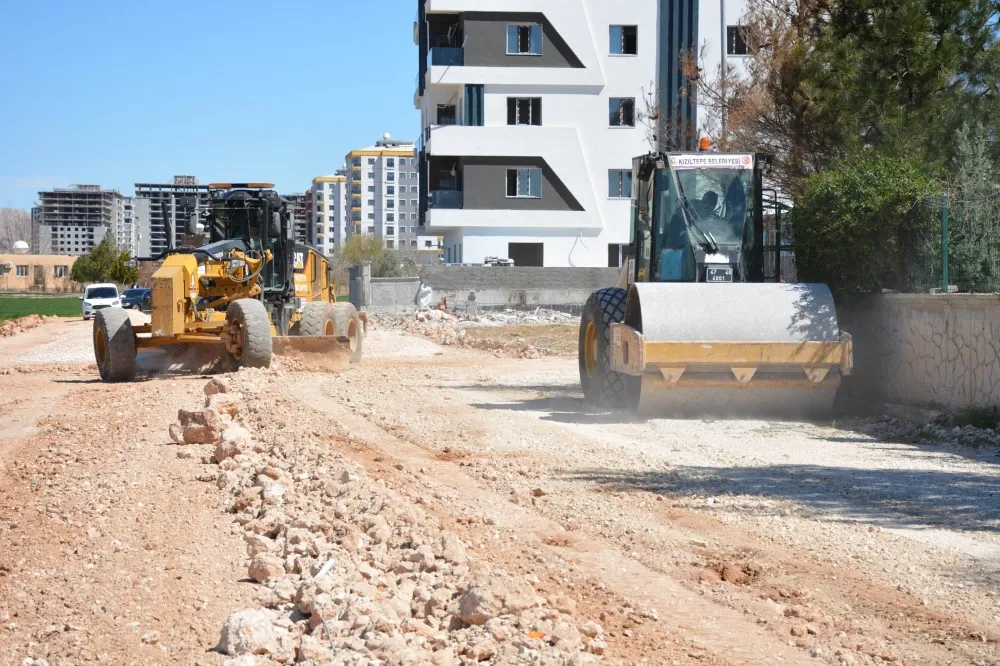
(867, 541)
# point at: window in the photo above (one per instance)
(390, 163)
(524, 39)
(371, 174)
(356, 162)
(390, 176)
(524, 110)
(616, 254)
(621, 112)
(624, 40)
(413, 202)
(390, 189)
(371, 216)
(371, 202)
(60, 271)
(22, 271)
(390, 231)
(371, 188)
(390, 217)
(390, 203)
(356, 217)
(524, 183)
(371, 160)
(736, 40)
(619, 183)
(413, 216)
(413, 188)
(427, 244)
(413, 243)
(371, 230)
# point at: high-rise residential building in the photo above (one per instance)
(531, 118)
(530, 123)
(133, 227)
(167, 206)
(383, 191)
(328, 206)
(73, 220)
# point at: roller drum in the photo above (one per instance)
(733, 313)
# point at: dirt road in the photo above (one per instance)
(723, 542)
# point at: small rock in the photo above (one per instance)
(234, 441)
(266, 567)
(799, 630)
(216, 385)
(151, 637)
(478, 605)
(563, 604)
(312, 650)
(200, 427)
(248, 632)
(539, 492)
(483, 650)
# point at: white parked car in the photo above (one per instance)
(98, 296)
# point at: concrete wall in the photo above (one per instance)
(469, 289)
(393, 294)
(925, 350)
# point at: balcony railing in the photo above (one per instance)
(445, 56)
(452, 199)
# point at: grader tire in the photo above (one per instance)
(250, 327)
(317, 319)
(602, 386)
(114, 345)
(348, 324)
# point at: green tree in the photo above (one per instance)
(385, 262)
(868, 224)
(104, 263)
(974, 236)
(828, 78)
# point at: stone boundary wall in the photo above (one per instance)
(925, 350)
(475, 288)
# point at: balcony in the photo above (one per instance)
(445, 56)
(445, 199)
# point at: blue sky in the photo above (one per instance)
(115, 93)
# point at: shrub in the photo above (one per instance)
(868, 224)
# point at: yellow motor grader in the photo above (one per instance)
(253, 290)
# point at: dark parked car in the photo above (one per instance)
(137, 299)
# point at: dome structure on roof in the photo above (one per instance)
(20, 247)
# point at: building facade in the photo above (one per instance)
(37, 272)
(71, 221)
(383, 190)
(328, 204)
(531, 118)
(166, 209)
(531, 121)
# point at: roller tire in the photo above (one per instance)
(603, 387)
(317, 319)
(256, 325)
(345, 316)
(114, 345)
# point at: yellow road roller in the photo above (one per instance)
(693, 326)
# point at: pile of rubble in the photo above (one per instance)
(350, 572)
(940, 434)
(446, 328)
(22, 324)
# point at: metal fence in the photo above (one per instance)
(953, 245)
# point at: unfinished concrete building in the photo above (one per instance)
(74, 219)
(166, 209)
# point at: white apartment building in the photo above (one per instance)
(329, 204)
(532, 113)
(383, 190)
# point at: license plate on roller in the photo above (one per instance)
(719, 274)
